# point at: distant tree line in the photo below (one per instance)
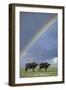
(33, 65)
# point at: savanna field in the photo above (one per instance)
(51, 71)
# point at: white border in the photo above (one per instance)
(19, 80)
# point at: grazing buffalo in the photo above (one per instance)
(44, 65)
(30, 66)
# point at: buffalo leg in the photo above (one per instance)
(46, 69)
(33, 69)
(26, 69)
(39, 69)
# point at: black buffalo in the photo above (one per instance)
(30, 66)
(44, 65)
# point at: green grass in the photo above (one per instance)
(52, 71)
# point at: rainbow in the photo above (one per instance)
(38, 35)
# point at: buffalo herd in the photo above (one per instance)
(33, 65)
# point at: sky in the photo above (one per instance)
(46, 46)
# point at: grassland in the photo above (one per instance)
(52, 71)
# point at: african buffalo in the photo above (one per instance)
(30, 66)
(44, 65)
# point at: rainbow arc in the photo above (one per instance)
(38, 35)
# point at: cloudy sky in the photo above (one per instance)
(45, 47)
